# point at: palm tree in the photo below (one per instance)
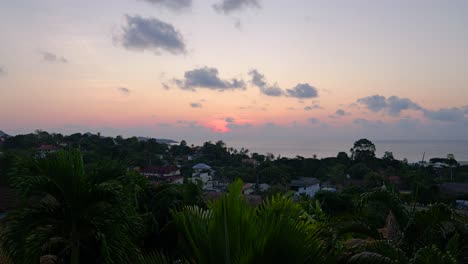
(436, 234)
(78, 217)
(232, 231)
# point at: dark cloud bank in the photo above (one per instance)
(393, 105)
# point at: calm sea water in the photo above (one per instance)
(411, 149)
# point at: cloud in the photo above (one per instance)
(233, 126)
(50, 57)
(374, 103)
(341, 112)
(150, 34)
(303, 90)
(229, 6)
(123, 90)
(446, 114)
(396, 105)
(314, 106)
(368, 123)
(392, 105)
(2, 71)
(258, 80)
(238, 24)
(313, 120)
(174, 5)
(207, 78)
(196, 105)
(229, 120)
(165, 86)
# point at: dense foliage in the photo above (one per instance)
(92, 206)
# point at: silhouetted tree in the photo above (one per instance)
(363, 150)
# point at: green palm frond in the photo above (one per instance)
(64, 207)
(370, 258)
(231, 231)
(433, 225)
(432, 255)
(386, 248)
(157, 257)
(355, 226)
(391, 200)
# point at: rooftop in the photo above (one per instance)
(201, 166)
(304, 181)
(159, 169)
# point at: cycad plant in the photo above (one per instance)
(76, 216)
(232, 231)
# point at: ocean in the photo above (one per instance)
(410, 149)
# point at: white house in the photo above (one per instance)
(306, 186)
(203, 173)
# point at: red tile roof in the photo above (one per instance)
(47, 147)
(393, 178)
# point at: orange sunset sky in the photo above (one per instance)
(236, 69)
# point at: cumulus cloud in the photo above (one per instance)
(229, 120)
(341, 112)
(196, 105)
(150, 34)
(311, 107)
(51, 57)
(392, 105)
(123, 90)
(229, 6)
(446, 114)
(207, 77)
(303, 90)
(258, 80)
(175, 5)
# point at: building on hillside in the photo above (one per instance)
(394, 180)
(328, 189)
(263, 187)
(306, 186)
(248, 188)
(156, 172)
(162, 174)
(453, 188)
(43, 150)
(203, 173)
(251, 162)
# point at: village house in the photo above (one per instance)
(306, 186)
(160, 174)
(203, 173)
(43, 150)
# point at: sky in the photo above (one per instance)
(236, 69)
